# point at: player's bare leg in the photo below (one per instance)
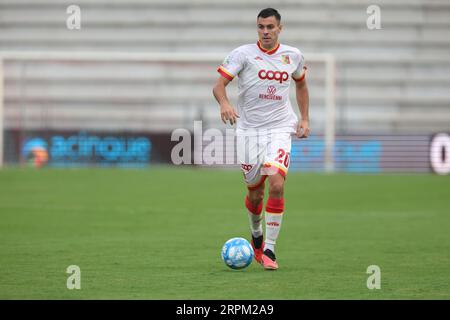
(254, 204)
(274, 216)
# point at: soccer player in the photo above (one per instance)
(265, 122)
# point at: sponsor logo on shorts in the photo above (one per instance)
(246, 167)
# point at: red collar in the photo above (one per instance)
(271, 51)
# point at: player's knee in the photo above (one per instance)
(276, 188)
(256, 196)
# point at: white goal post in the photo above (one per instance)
(327, 59)
(2, 98)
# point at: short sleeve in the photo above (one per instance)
(300, 73)
(232, 65)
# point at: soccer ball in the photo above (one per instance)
(237, 253)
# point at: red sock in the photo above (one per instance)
(255, 210)
(274, 205)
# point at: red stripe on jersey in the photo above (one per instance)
(224, 73)
(269, 52)
(302, 77)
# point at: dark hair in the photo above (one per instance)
(269, 12)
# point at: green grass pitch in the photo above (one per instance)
(157, 234)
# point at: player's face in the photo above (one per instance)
(268, 30)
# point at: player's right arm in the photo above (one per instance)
(229, 69)
(227, 112)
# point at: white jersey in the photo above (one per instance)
(264, 80)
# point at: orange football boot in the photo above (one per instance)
(269, 261)
(257, 244)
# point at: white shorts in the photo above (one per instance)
(263, 155)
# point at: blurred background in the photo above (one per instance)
(108, 83)
(110, 91)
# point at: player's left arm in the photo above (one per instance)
(302, 96)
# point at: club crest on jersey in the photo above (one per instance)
(285, 59)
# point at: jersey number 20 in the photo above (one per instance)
(283, 157)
